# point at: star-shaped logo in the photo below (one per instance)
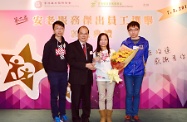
(20, 67)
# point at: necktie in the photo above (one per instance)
(84, 48)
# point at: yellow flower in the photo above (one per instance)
(119, 60)
(120, 56)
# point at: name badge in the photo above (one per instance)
(135, 47)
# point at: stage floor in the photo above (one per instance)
(146, 115)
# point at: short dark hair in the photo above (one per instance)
(83, 27)
(132, 24)
(58, 22)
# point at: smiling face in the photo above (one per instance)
(58, 30)
(83, 34)
(103, 41)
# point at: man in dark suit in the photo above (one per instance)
(80, 76)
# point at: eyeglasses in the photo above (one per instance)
(132, 30)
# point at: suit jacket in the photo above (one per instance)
(78, 73)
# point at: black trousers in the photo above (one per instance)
(58, 86)
(80, 94)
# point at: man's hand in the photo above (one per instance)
(90, 66)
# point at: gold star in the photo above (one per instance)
(27, 75)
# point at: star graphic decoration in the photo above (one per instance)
(22, 66)
(26, 55)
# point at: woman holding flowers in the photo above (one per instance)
(102, 62)
(134, 71)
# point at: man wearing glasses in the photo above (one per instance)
(134, 71)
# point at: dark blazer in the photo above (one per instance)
(79, 74)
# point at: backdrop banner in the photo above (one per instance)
(25, 29)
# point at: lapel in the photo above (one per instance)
(89, 52)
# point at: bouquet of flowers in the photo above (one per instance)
(120, 60)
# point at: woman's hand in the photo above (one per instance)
(97, 59)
